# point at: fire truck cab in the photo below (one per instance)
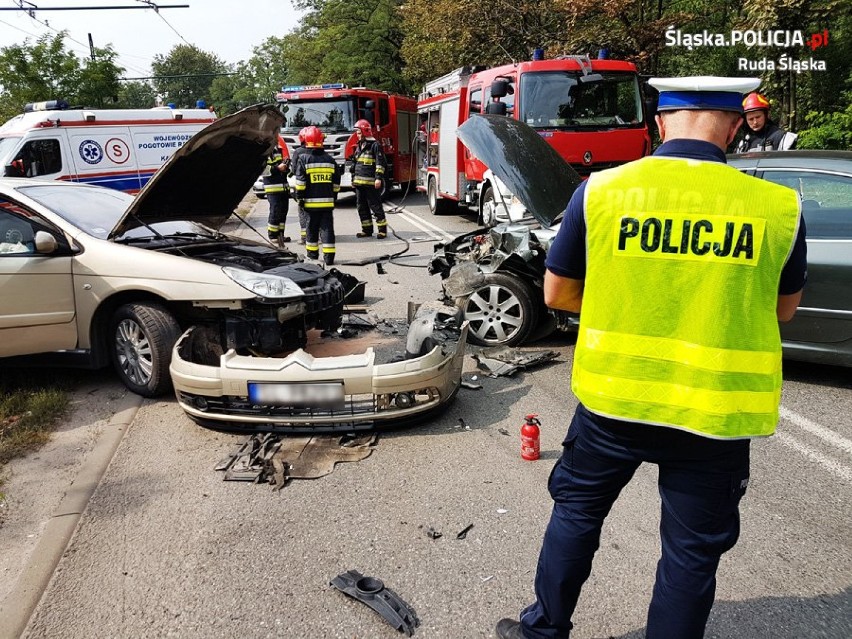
(335, 108)
(590, 111)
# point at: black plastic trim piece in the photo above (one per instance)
(384, 601)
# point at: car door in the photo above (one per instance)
(825, 312)
(37, 312)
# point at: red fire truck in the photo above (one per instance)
(590, 111)
(335, 108)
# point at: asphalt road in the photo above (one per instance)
(167, 549)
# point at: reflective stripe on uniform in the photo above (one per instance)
(328, 248)
(674, 350)
(273, 188)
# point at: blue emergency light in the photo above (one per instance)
(50, 105)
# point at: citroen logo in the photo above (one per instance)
(587, 157)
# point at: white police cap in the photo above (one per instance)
(704, 92)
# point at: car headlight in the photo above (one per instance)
(264, 285)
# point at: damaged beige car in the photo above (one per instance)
(303, 391)
(282, 369)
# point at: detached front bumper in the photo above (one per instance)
(303, 393)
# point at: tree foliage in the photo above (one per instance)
(352, 41)
(186, 74)
(46, 70)
(397, 45)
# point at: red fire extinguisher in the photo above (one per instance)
(530, 438)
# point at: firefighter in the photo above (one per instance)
(294, 158)
(678, 356)
(762, 134)
(317, 184)
(368, 172)
(275, 188)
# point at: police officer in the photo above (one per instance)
(294, 158)
(277, 194)
(762, 133)
(317, 184)
(367, 174)
(676, 261)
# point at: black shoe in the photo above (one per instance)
(364, 234)
(381, 235)
(285, 238)
(509, 629)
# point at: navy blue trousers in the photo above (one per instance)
(701, 482)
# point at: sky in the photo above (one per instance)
(227, 28)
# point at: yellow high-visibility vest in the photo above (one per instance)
(678, 325)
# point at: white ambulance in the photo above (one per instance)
(117, 148)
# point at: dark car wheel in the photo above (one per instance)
(143, 336)
(501, 312)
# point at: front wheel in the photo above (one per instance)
(437, 204)
(143, 336)
(503, 311)
(488, 210)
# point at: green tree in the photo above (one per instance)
(99, 85)
(353, 41)
(441, 35)
(36, 72)
(256, 80)
(186, 75)
(136, 94)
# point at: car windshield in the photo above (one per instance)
(563, 100)
(328, 115)
(94, 210)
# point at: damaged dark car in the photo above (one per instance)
(496, 275)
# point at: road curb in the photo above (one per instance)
(18, 607)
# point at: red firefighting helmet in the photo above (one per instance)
(365, 128)
(755, 102)
(302, 135)
(314, 137)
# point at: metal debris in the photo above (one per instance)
(463, 533)
(248, 461)
(276, 460)
(431, 533)
(502, 431)
(471, 385)
(502, 361)
(386, 602)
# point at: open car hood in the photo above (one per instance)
(529, 167)
(207, 177)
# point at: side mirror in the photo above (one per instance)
(45, 242)
(499, 88)
(15, 169)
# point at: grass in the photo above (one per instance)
(31, 405)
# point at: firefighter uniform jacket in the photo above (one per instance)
(274, 181)
(770, 138)
(317, 180)
(369, 163)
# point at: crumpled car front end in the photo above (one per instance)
(299, 392)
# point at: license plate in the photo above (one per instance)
(296, 395)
